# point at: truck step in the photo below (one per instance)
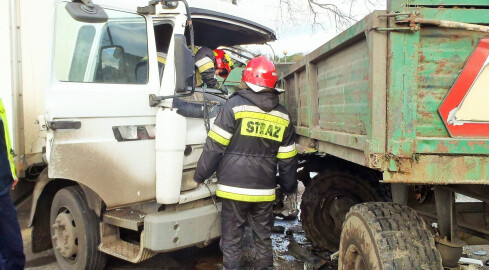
(125, 217)
(112, 244)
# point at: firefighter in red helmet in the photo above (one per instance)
(211, 63)
(252, 134)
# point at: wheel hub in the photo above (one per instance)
(65, 235)
(354, 259)
(337, 209)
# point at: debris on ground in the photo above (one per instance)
(464, 260)
(334, 256)
(288, 214)
(480, 253)
(468, 267)
(305, 255)
(278, 229)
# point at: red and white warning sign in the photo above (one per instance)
(465, 110)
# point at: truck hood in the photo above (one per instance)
(213, 29)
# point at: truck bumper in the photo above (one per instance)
(167, 231)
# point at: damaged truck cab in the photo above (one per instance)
(119, 127)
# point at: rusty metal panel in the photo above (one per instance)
(377, 120)
(442, 55)
(343, 86)
(303, 98)
(442, 169)
(371, 96)
(399, 5)
(291, 102)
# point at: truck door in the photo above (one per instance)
(101, 128)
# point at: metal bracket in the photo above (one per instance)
(150, 9)
(54, 125)
(402, 19)
(87, 6)
(445, 209)
(486, 214)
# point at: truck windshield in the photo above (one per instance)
(109, 52)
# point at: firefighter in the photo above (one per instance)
(11, 248)
(250, 136)
(212, 63)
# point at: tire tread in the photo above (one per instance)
(407, 243)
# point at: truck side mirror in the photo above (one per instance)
(111, 63)
(184, 64)
(86, 12)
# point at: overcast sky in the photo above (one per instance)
(298, 35)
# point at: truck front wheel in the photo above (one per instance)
(386, 236)
(75, 231)
(329, 197)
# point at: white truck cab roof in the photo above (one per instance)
(216, 23)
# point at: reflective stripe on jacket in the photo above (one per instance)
(10, 155)
(205, 68)
(244, 146)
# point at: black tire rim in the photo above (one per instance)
(331, 212)
(334, 207)
(326, 203)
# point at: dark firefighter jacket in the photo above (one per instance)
(250, 136)
(205, 64)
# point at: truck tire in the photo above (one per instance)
(386, 236)
(329, 197)
(75, 231)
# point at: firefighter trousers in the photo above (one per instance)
(11, 248)
(234, 217)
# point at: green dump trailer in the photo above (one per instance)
(393, 115)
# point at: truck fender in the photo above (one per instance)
(41, 182)
(94, 201)
(42, 197)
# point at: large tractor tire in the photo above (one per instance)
(75, 231)
(329, 197)
(386, 236)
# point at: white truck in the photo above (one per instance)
(110, 135)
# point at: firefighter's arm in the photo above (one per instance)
(287, 161)
(216, 143)
(206, 68)
(209, 78)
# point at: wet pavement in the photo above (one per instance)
(210, 257)
(207, 258)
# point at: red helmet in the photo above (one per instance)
(223, 61)
(260, 72)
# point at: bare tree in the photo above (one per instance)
(339, 12)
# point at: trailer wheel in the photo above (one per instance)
(75, 231)
(386, 236)
(329, 197)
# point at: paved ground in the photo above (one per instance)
(210, 257)
(192, 258)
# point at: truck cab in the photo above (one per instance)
(122, 126)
